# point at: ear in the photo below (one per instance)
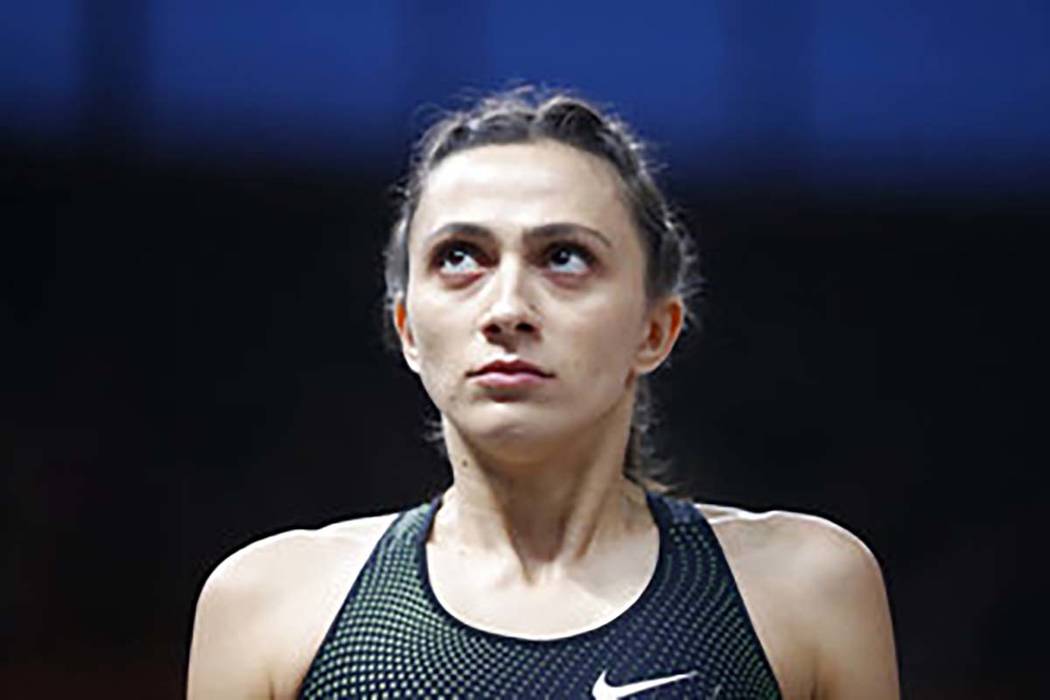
(663, 324)
(404, 333)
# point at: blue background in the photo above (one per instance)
(931, 95)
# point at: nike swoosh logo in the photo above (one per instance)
(603, 691)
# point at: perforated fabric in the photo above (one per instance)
(688, 634)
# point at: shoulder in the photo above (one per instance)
(820, 551)
(816, 595)
(272, 567)
(265, 566)
(268, 601)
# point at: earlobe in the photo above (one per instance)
(404, 333)
(662, 328)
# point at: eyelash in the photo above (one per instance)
(586, 255)
(444, 249)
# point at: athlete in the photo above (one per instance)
(535, 278)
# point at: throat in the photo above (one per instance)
(542, 600)
(538, 538)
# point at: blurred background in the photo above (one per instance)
(195, 197)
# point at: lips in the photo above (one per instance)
(510, 367)
(508, 378)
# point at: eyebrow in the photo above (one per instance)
(542, 232)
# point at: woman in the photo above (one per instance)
(535, 278)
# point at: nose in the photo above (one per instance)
(510, 314)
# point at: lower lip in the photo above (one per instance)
(510, 380)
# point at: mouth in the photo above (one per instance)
(510, 374)
(510, 367)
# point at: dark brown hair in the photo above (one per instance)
(527, 115)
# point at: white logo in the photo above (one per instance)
(603, 691)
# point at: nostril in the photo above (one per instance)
(519, 328)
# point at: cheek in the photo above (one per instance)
(604, 340)
(439, 344)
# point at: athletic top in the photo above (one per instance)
(687, 635)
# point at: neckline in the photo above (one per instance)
(656, 510)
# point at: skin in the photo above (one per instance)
(528, 251)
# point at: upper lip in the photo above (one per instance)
(510, 367)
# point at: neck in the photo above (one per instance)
(549, 511)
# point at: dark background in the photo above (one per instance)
(194, 203)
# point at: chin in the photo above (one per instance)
(516, 433)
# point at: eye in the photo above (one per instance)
(569, 258)
(457, 258)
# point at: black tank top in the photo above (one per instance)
(687, 636)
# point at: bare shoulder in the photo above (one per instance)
(816, 596)
(818, 549)
(266, 607)
(267, 564)
(274, 566)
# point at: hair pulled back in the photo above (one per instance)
(526, 115)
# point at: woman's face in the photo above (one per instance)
(525, 313)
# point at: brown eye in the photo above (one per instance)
(457, 258)
(569, 259)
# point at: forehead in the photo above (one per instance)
(517, 186)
